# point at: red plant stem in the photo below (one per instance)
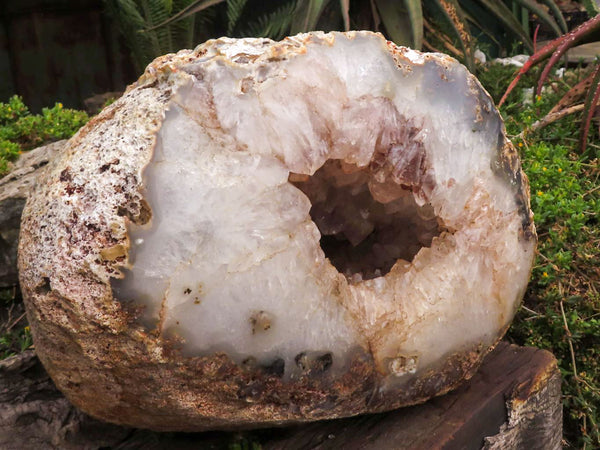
(535, 34)
(566, 44)
(563, 43)
(590, 108)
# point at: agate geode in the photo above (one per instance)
(266, 232)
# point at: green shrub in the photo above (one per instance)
(20, 130)
(561, 310)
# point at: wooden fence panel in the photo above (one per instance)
(60, 50)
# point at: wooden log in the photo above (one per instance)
(513, 402)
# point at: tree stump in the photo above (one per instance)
(513, 402)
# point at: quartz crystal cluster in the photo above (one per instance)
(266, 232)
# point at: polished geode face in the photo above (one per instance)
(339, 199)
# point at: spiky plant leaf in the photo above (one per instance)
(415, 14)
(403, 21)
(565, 43)
(274, 25)
(537, 57)
(539, 10)
(557, 13)
(505, 15)
(345, 5)
(234, 12)
(306, 15)
(131, 23)
(475, 20)
(591, 7)
(192, 8)
(554, 50)
(456, 18)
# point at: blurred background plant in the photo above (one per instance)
(156, 27)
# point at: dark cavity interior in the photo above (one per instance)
(367, 223)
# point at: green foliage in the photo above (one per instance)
(553, 52)
(235, 8)
(494, 78)
(592, 7)
(15, 341)
(20, 130)
(274, 25)
(142, 23)
(15, 335)
(155, 27)
(244, 443)
(561, 311)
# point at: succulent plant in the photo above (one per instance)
(265, 232)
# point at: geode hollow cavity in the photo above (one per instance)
(266, 232)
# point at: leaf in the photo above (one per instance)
(505, 15)
(345, 5)
(274, 25)
(307, 15)
(591, 7)
(131, 23)
(415, 14)
(234, 12)
(155, 11)
(475, 21)
(557, 13)
(193, 8)
(456, 18)
(539, 10)
(398, 20)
